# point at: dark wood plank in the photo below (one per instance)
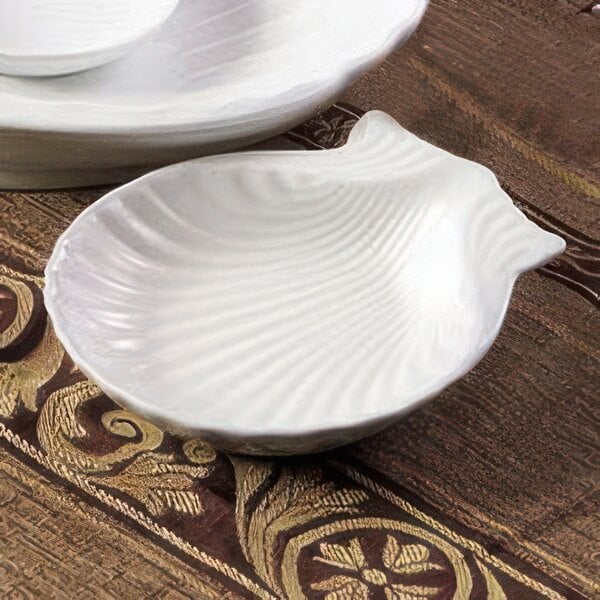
(53, 546)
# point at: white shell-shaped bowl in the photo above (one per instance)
(287, 302)
(55, 37)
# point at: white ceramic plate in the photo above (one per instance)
(294, 301)
(54, 37)
(220, 74)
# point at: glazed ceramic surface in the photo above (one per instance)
(219, 74)
(294, 301)
(54, 37)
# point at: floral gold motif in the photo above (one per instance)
(23, 310)
(398, 591)
(152, 478)
(400, 559)
(20, 381)
(199, 452)
(58, 427)
(280, 511)
(407, 559)
(297, 497)
(353, 554)
(342, 587)
(348, 557)
(159, 483)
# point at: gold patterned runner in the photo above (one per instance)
(290, 529)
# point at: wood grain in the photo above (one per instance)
(54, 545)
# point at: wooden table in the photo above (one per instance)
(490, 491)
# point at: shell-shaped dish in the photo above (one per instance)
(219, 74)
(55, 37)
(286, 302)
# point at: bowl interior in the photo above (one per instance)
(292, 292)
(297, 310)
